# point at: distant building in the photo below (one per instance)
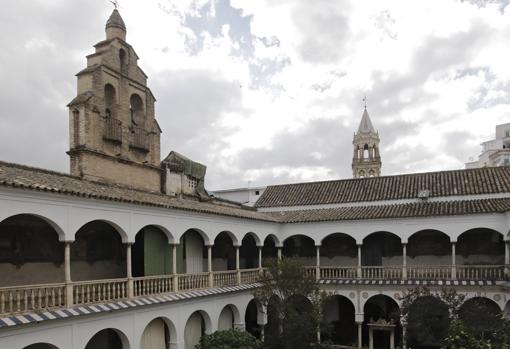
(245, 196)
(366, 160)
(495, 152)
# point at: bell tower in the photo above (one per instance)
(366, 161)
(114, 136)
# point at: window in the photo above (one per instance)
(122, 60)
(137, 112)
(257, 192)
(192, 182)
(109, 100)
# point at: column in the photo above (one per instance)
(240, 326)
(318, 267)
(404, 260)
(370, 338)
(392, 338)
(130, 289)
(209, 266)
(174, 268)
(279, 253)
(404, 336)
(260, 257)
(238, 266)
(360, 334)
(454, 266)
(507, 258)
(359, 261)
(67, 274)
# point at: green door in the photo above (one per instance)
(157, 253)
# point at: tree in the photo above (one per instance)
(230, 339)
(293, 301)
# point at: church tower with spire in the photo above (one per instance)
(366, 161)
(114, 136)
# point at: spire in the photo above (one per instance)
(115, 27)
(365, 126)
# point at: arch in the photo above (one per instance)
(339, 319)
(122, 60)
(229, 317)
(481, 246)
(29, 244)
(274, 238)
(60, 232)
(233, 238)
(381, 307)
(40, 346)
(506, 311)
(254, 318)
(137, 109)
(157, 329)
(427, 322)
(200, 232)
(197, 325)
(151, 253)
(338, 249)
(249, 252)
(300, 246)
(481, 315)
(98, 252)
(110, 100)
(223, 252)
(108, 338)
(429, 247)
(269, 250)
(120, 231)
(381, 248)
(254, 236)
(191, 251)
(301, 308)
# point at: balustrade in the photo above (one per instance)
(31, 298)
(151, 285)
(338, 272)
(86, 292)
(429, 272)
(113, 130)
(193, 281)
(250, 276)
(44, 297)
(225, 278)
(481, 272)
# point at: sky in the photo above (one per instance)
(270, 91)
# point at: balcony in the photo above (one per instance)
(113, 130)
(140, 140)
(24, 299)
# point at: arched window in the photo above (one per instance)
(109, 100)
(122, 60)
(365, 152)
(137, 112)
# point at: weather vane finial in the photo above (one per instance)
(365, 101)
(115, 3)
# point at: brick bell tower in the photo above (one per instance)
(366, 161)
(114, 136)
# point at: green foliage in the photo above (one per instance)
(294, 304)
(445, 318)
(231, 339)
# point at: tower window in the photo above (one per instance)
(137, 112)
(122, 60)
(365, 152)
(109, 100)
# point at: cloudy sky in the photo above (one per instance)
(270, 91)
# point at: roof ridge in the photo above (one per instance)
(481, 169)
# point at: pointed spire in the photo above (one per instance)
(115, 26)
(366, 126)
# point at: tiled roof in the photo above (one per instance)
(417, 209)
(490, 180)
(19, 176)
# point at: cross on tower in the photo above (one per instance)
(365, 101)
(115, 3)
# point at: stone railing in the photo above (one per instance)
(382, 272)
(188, 282)
(113, 130)
(429, 272)
(338, 272)
(225, 278)
(87, 292)
(29, 298)
(481, 272)
(250, 276)
(140, 139)
(150, 285)
(23, 299)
